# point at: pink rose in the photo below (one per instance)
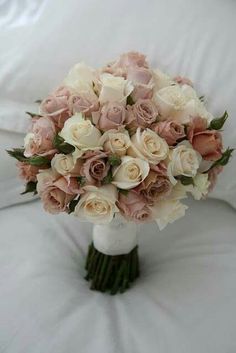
(40, 140)
(183, 81)
(112, 116)
(56, 106)
(85, 103)
(213, 176)
(143, 113)
(55, 200)
(133, 207)
(95, 167)
(160, 169)
(207, 142)
(142, 81)
(155, 187)
(28, 172)
(170, 131)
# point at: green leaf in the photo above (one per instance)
(186, 180)
(202, 98)
(30, 187)
(39, 101)
(38, 161)
(114, 160)
(17, 153)
(33, 115)
(224, 158)
(130, 100)
(108, 179)
(218, 123)
(62, 146)
(72, 205)
(81, 180)
(123, 192)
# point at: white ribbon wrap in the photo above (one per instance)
(116, 238)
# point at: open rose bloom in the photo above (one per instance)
(117, 146)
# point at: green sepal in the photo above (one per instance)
(81, 180)
(33, 115)
(130, 100)
(31, 186)
(38, 101)
(224, 159)
(62, 146)
(218, 123)
(186, 180)
(72, 205)
(114, 160)
(17, 153)
(108, 179)
(123, 191)
(38, 161)
(202, 98)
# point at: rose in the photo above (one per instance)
(183, 81)
(142, 81)
(130, 173)
(84, 102)
(213, 175)
(148, 145)
(155, 187)
(180, 103)
(112, 116)
(40, 140)
(97, 205)
(64, 164)
(27, 172)
(114, 89)
(95, 168)
(131, 59)
(183, 160)
(169, 130)
(167, 211)
(207, 142)
(116, 142)
(200, 186)
(133, 207)
(161, 80)
(80, 79)
(143, 113)
(81, 133)
(55, 193)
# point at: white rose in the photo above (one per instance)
(148, 145)
(130, 173)
(180, 103)
(114, 89)
(64, 164)
(81, 133)
(115, 142)
(167, 211)
(200, 186)
(161, 80)
(183, 160)
(97, 205)
(80, 78)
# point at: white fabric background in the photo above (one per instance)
(185, 300)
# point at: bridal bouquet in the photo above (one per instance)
(117, 146)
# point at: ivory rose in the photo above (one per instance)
(64, 164)
(112, 116)
(27, 172)
(81, 133)
(114, 89)
(169, 130)
(148, 145)
(80, 79)
(97, 205)
(130, 173)
(133, 207)
(116, 142)
(161, 80)
(40, 140)
(200, 186)
(143, 113)
(183, 160)
(207, 142)
(167, 211)
(84, 102)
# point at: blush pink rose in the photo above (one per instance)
(111, 116)
(160, 169)
(142, 81)
(213, 176)
(85, 103)
(28, 172)
(170, 131)
(183, 81)
(133, 207)
(56, 106)
(143, 113)
(41, 141)
(55, 200)
(207, 142)
(95, 167)
(155, 187)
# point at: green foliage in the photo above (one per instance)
(30, 187)
(218, 123)
(62, 146)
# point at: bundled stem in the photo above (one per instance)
(111, 273)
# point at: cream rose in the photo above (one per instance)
(167, 211)
(148, 145)
(200, 186)
(161, 80)
(116, 142)
(114, 89)
(80, 78)
(180, 103)
(183, 160)
(81, 133)
(64, 164)
(97, 205)
(130, 173)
